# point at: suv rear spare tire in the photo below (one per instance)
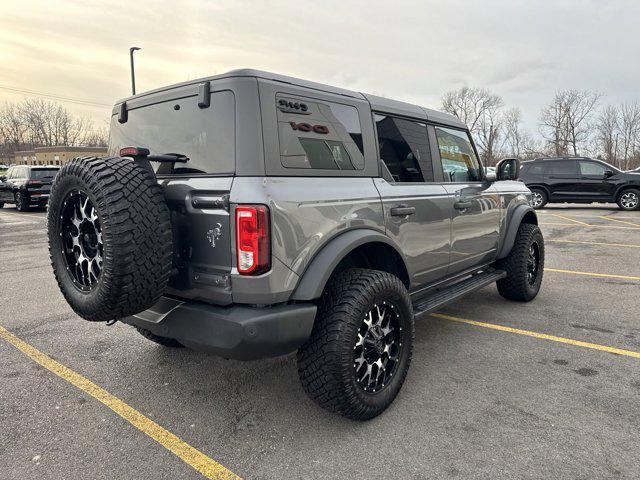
(110, 239)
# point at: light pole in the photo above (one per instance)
(133, 73)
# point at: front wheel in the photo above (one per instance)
(524, 265)
(629, 200)
(22, 202)
(359, 352)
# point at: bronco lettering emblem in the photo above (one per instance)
(290, 106)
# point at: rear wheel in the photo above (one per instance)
(538, 198)
(629, 199)
(164, 341)
(359, 352)
(524, 265)
(110, 238)
(22, 202)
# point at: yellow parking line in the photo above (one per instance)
(592, 243)
(589, 274)
(192, 457)
(570, 219)
(543, 336)
(611, 227)
(616, 220)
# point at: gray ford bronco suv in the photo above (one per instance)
(251, 214)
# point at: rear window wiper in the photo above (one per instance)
(168, 157)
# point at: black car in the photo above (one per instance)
(580, 180)
(27, 186)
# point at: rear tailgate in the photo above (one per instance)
(40, 181)
(201, 237)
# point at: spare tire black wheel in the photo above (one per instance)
(110, 239)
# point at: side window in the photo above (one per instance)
(459, 161)
(592, 168)
(404, 148)
(535, 169)
(319, 134)
(561, 167)
(9, 173)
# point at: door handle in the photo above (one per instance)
(402, 211)
(462, 205)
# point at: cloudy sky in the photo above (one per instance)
(407, 50)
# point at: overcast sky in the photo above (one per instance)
(406, 50)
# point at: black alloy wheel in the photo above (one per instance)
(378, 347)
(82, 240)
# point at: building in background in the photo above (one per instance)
(55, 155)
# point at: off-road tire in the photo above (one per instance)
(164, 341)
(22, 202)
(544, 198)
(627, 208)
(326, 360)
(136, 236)
(516, 285)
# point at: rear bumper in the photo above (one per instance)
(237, 331)
(38, 198)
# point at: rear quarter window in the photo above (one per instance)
(316, 134)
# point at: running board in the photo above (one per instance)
(441, 297)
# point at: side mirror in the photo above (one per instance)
(508, 169)
(608, 173)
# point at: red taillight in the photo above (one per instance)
(34, 183)
(252, 239)
(134, 152)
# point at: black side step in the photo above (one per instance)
(446, 295)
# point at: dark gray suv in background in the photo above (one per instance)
(252, 214)
(27, 186)
(580, 180)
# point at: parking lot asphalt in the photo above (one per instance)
(481, 400)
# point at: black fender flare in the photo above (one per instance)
(315, 277)
(621, 188)
(512, 229)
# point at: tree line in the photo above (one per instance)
(35, 122)
(573, 123)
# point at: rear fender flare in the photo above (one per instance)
(317, 274)
(513, 226)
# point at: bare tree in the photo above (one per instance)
(607, 131)
(513, 135)
(629, 133)
(517, 142)
(98, 137)
(12, 130)
(489, 132)
(470, 104)
(565, 122)
(40, 123)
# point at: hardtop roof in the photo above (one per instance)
(377, 103)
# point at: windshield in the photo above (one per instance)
(43, 173)
(205, 135)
